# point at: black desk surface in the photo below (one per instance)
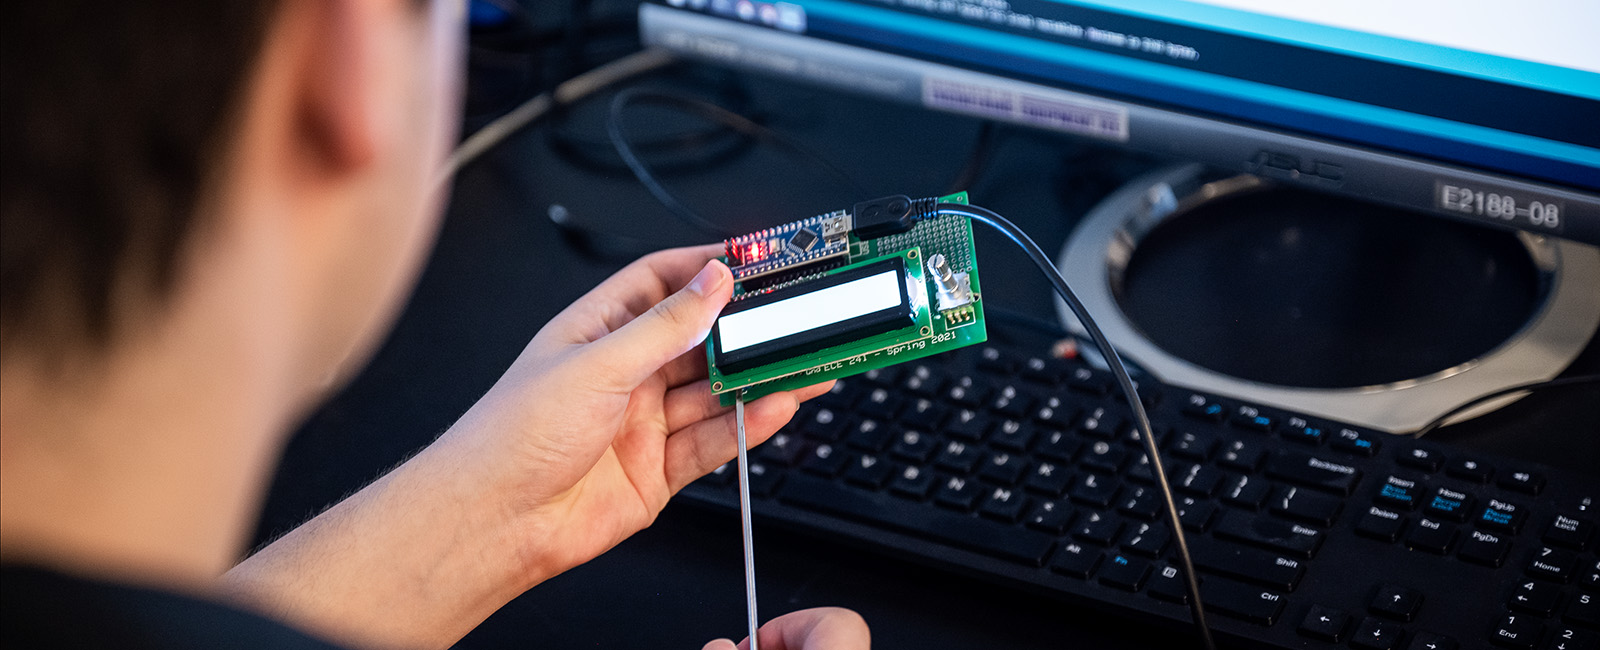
(502, 268)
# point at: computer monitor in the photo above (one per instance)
(1485, 111)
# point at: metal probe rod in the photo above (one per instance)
(744, 520)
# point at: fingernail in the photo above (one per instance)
(707, 279)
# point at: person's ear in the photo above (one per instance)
(343, 105)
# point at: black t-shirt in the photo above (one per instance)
(40, 608)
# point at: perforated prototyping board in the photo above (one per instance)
(935, 330)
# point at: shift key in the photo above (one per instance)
(1267, 532)
(1313, 472)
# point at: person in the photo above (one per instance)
(211, 210)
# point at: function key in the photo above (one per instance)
(1553, 564)
(1204, 408)
(1299, 430)
(1251, 417)
(1468, 469)
(1523, 481)
(1355, 441)
(1421, 458)
(1124, 572)
(1570, 532)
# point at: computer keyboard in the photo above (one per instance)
(1306, 533)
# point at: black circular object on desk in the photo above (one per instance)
(1297, 288)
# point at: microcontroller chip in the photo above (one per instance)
(803, 241)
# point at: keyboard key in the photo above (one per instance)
(1570, 532)
(1055, 412)
(1012, 435)
(1376, 634)
(868, 471)
(1314, 472)
(1534, 597)
(824, 424)
(1043, 370)
(1203, 408)
(1566, 637)
(1449, 504)
(1396, 602)
(1141, 502)
(1431, 641)
(1584, 609)
(1075, 560)
(1552, 564)
(1005, 542)
(1502, 515)
(1485, 548)
(1251, 565)
(1522, 481)
(1058, 445)
(914, 445)
(968, 425)
(1431, 535)
(1103, 456)
(1398, 492)
(1195, 515)
(912, 481)
(763, 479)
(1050, 516)
(959, 457)
(1421, 458)
(1251, 417)
(1001, 467)
(1515, 631)
(1241, 455)
(1591, 575)
(1167, 583)
(922, 380)
(824, 460)
(1306, 506)
(1048, 478)
(924, 414)
(1198, 480)
(1097, 528)
(1003, 504)
(1148, 540)
(1245, 492)
(1240, 600)
(1124, 572)
(1093, 490)
(1303, 432)
(1089, 380)
(1193, 446)
(869, 435)
(1355, 441)
(1470, 470)
(1101, 422)
(781, 449)
(1011, 402)
(1324, 623)
(967, 391)
(881, 403)
(1269, 533)
(997, 360)
(957, 494)
(1380, 524)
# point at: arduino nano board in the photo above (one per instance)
(843, 293)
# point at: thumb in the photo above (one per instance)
(624, 358)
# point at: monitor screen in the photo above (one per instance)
(1481, 110)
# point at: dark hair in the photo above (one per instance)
(115, 116)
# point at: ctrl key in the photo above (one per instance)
(1240, 600)
(1515, 631)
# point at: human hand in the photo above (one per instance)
(821, 628)
(606, 414)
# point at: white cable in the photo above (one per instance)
(744, 517)
(532, 110)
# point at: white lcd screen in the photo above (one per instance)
(803, 313)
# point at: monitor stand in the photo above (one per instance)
(1330, 306)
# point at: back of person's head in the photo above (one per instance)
(115, 117)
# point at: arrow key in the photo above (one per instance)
(1534, 597)
(1431, 641)
(1569, 638)
(1396, 602)
(1377, 634)
(1325, 623)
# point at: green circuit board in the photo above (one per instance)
(934, 314)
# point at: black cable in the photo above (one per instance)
(982, 147)
(1519, 388)
(1141, 418)
(709, 111)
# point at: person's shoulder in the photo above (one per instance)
(42, 608)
